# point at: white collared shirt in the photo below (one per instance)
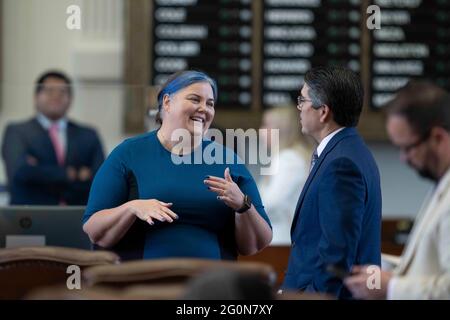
(46, 123)
(325, 141)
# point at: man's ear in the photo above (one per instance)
(165, 103)
(325, 113)
(439, 135)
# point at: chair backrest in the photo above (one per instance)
(226, 284)
(26, 268)
(167, 271)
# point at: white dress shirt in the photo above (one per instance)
(325, 141)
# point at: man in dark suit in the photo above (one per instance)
(50, 160)
(337, 221)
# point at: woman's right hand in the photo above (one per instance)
(148, 210)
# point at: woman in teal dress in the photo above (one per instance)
(152, 198)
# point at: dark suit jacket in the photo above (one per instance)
(338, 217)
(47, 183)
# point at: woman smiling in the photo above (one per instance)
(142, 204)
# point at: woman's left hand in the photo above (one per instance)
(228, 191)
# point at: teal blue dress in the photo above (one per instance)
(141, 168)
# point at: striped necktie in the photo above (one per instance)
(314, 159)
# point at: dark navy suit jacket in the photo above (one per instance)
(46, 183)
(338, 217)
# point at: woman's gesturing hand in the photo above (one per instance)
(228, 191)
(148, 210)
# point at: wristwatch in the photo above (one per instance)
(246, 205)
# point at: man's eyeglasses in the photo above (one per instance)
(55, 90)
(301, 100)
(406, 149)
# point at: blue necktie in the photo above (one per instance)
(314, 159)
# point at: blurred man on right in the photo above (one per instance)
(419, 125)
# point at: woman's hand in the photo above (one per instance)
(228, 191)
(148, 210)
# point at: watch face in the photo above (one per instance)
(247, 204)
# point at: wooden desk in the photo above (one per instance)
(276, 256)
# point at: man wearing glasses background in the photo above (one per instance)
(419, 125)
(338, 216)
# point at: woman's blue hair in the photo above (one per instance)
(183, 79)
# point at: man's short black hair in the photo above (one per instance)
(53, 74)
(423, 104)
(340, 89)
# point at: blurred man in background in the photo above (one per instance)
(49, 159)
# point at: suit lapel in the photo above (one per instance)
(330, 146)
(43, 137)
(70, 140)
